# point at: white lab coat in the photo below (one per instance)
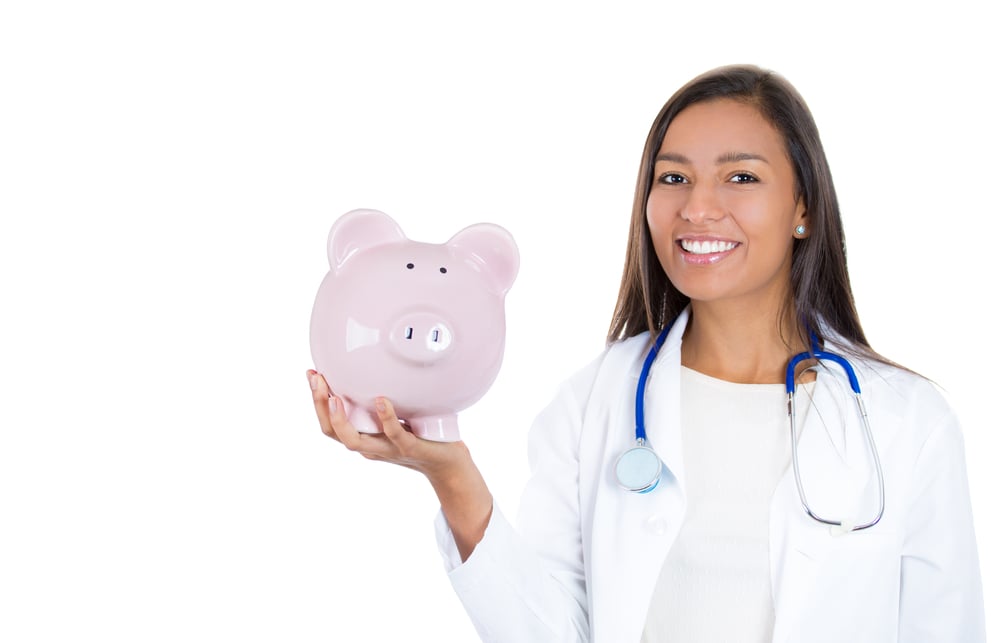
(583, 564)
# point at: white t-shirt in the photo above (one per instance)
(715, 583)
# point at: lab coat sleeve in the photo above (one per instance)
(528, 585)
(941, 595)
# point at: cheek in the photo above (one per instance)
(774, 222)
(658, 216)
(660, 226)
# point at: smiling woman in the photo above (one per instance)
(735, 274)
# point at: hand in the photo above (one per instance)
(396, 444)
(465, 499)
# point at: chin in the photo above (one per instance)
(704, 289)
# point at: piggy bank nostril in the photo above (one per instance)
(421, 337)
(438, 339)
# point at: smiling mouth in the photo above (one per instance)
(706, 247)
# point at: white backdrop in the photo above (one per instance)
(168, 174)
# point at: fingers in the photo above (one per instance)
(331, 414)
(395, 445)
(321, 402)
(391, 426)
(408, 450)
(343, 430)
(334, 423)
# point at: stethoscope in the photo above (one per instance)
(639, 469)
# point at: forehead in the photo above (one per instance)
(722, 126)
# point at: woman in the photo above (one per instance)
(737, 248)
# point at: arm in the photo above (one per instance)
(941, 596)
(529, 584)
(515, 588)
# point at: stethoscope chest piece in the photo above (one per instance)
(638, 469)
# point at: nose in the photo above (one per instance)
(702, 204)
(421, 337)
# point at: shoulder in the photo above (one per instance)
(905, 386)
(896, 395)
(887, 384)
(619, 361)
(601, 381)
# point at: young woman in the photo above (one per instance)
(735, 284)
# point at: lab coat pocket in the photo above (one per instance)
(855, 587)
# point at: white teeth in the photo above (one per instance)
(706, 247)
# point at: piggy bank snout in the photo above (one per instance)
(421, 337)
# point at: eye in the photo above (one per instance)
(743, 177)
(670, 178)
(409, 266)
(443, 270)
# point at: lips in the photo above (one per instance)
(703, 252)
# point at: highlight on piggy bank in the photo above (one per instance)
(421, 324)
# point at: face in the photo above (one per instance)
(722, 209)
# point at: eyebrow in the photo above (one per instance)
(728, 157)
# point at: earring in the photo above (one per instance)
(800, 229)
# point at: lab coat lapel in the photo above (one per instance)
(825, 411)
(835, 460)
(639, 529)
(838, 481)
(663, 403)
(796, 547)
(797, 542)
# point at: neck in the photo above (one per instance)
(736, 342)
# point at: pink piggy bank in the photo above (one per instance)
(419, 323)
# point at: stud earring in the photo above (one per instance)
(800, 229)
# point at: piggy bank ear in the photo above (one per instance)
(493, 248)
(357, 230)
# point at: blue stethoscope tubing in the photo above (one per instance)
(639, 469)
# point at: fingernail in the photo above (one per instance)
(380, 405)
(313, 382)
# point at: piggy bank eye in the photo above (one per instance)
(443, 270)
(409, 266)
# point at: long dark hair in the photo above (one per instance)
(821, 288)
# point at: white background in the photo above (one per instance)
(168, 175)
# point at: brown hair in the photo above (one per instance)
(821, 288)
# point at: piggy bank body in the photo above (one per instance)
(421, 324)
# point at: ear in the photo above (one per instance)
(359, 229)
(493, 248)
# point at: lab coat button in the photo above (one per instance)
(656, 524)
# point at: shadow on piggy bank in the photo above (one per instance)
(419, 323)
